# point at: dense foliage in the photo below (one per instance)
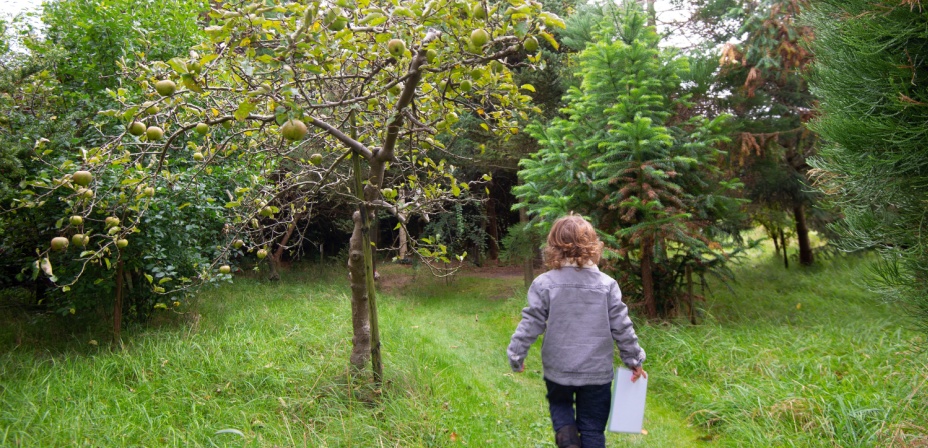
(624, 155)
(52, 87)
(870, 76)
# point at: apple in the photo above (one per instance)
(293, 130)
(466, 85)
(238, 244)
(165, 87)
(149, 191)
(122, 243)
(137, 128)
(479, 37)
(225, 269)
(111, 221)
(431, 55)
(82, 178)
(76, 220)
(315, 159)
(80, 240)
(396, 47)
(198, 156)
(261, 254)
(85, 193)
(530, 44)
(59, 243)
(150, 107)
(266, 211)
(202, 128)
(479, 11)
(154, 133)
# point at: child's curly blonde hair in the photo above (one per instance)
(572, 240)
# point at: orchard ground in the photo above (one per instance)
(804, 357)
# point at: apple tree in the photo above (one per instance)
(306, 104)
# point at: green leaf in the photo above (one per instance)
(243, 110)
(178, 64)
(528, 87)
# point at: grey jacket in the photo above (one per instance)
(581, 313)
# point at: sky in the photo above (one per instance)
(13, 7)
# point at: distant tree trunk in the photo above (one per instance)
(689, 294)
(647, 276)
(802, 236)
(651, 12)
(528, 274)
(492, 231)
(403, 237)
(783, 245)
(776, 242)
(117, 308)
(403, 244)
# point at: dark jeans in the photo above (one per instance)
(592, 403)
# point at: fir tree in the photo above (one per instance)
(622, 154)
(871, 75)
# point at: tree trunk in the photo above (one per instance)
(360, 307)
(647, 276)
(492, 230)
(527, 265)
(776, 241)
(117, 308)
(651, 11)
(802, 236)
(689, 294)
(360, 258)
(403, 237)
(783, 245)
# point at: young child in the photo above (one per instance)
(580, 311)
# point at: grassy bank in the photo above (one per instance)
(785, 359)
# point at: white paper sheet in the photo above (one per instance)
(627, 413)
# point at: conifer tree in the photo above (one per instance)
(622, 155)
(871, 76)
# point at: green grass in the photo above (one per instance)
(268, 360)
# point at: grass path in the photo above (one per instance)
(784, 359)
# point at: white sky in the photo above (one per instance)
(13, 7)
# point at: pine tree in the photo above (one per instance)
(871, 76)
(622, 154)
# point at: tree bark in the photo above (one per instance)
(492, 230)
(528, 274)
(783, 245)
(806, 257)
(360, 305)
(776, 241)
(647, 276)
(689, 294)
(403, 237)
(651, 12)
(117, 308)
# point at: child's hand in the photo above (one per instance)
(638, 372)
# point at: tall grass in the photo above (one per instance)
(264, 364)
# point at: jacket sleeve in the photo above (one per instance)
(623, 332)
(533, 324)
